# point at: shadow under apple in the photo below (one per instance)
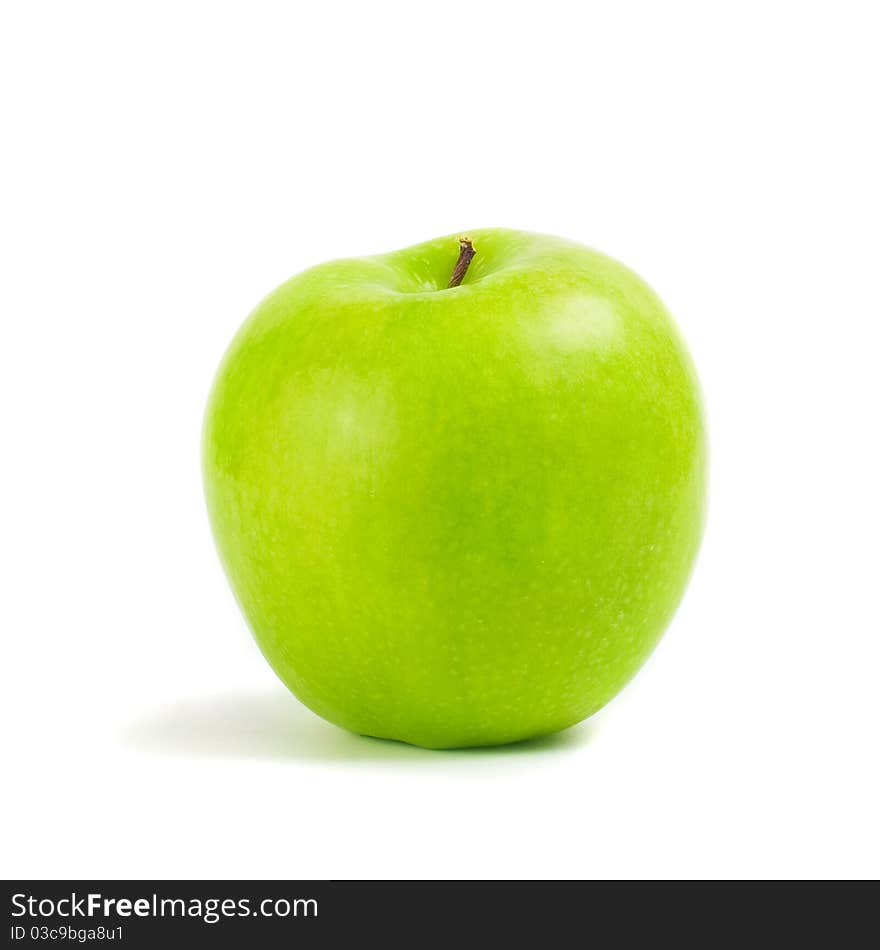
(274, 726)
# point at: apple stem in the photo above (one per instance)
(465, 256)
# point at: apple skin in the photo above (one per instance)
(458, 517)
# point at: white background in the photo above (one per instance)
(166, 164)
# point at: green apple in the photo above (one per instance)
(458, 510)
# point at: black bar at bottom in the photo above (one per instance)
(265, 914)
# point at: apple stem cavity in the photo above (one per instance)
(465, 256)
